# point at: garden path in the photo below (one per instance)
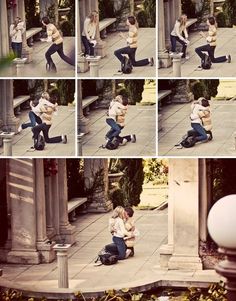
(63, 123)
(140, 120)
(176, 123)
(226, 39)
(142, 270)
(109, 65)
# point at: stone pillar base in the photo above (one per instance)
(82, 64)
(102, 207)
(68, 233)
(27, 53)
(47, 254)
(23, 257)
(101, 49)
(84, 125)
(160, 122)
(164, 60)
(185, 263)
(166, 252)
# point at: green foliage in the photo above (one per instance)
(188, 8)
(75, 178)
(221, 19)
(66, 90)
(134, 89)
(107, 9)
(31, 15)
(150, 11)
(67, 28)
(156, 170)
(205, 88)
(229, 9)
(6, 61)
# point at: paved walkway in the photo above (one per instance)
(109, 65)
(37, 67)
(140, 120)
(176, 123)
(226, 39)
(142, 270)
(63, 123)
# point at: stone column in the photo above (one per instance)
(55, 205)
(185, 215)
(44, 246)
(163, 55)
(27, 52)
(62, 265)
(96, 179)
(4, 36)
(183, 94)
(49, 208)
(9, 120)
(21, 191)
(166, 250)
(100, 48)
(67, 231)
(83, 122)
(205, 197)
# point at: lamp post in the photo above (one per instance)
(221, 226)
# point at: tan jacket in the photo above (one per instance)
(46, 115)
(54, 33)
(129, 226)
(206, 119)
(211, 38)
(132, 39)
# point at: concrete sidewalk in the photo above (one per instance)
(140, 120)
(109, 65)
(63, 123)
(226, 39)
(176, 123)
(37, 68)
(142, 270)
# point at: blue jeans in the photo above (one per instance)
(211, 52)
(115, 128)
(33, 120)
(17, 49)
(173, 40)
(131, 53)
(200, 130)
(121, 247)
(59, 49)
(88, 47)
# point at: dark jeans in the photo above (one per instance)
(112, 248)
(115, 129)
(173, 40)
(200, 130)
(211, 52)
(88, 47)
(121, 247)
(45, 129)
(33, 120)
(131, 53)
(17, 49)
(59, 49)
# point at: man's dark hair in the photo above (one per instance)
(129, 211)
(132, 20)
(205, 102)
(46, 20)
(211, 20)
(125, 100)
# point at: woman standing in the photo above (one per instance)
(16, 33)
(179, 34)
(211, 45)
(132, 44)
(57, 46)
(89, 33)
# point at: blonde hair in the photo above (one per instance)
(183, 19)
(119, 98)
(45, 95)
(118, 212)
(92, 16)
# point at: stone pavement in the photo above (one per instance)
(140, 120)
(176, 123)
(142, 270)
(109, 65)
(37, 67)
(63, 123)
(226, 39)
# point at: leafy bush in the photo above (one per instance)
(188, 8)
(198, 90)
(67, 29)
(221, 20)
